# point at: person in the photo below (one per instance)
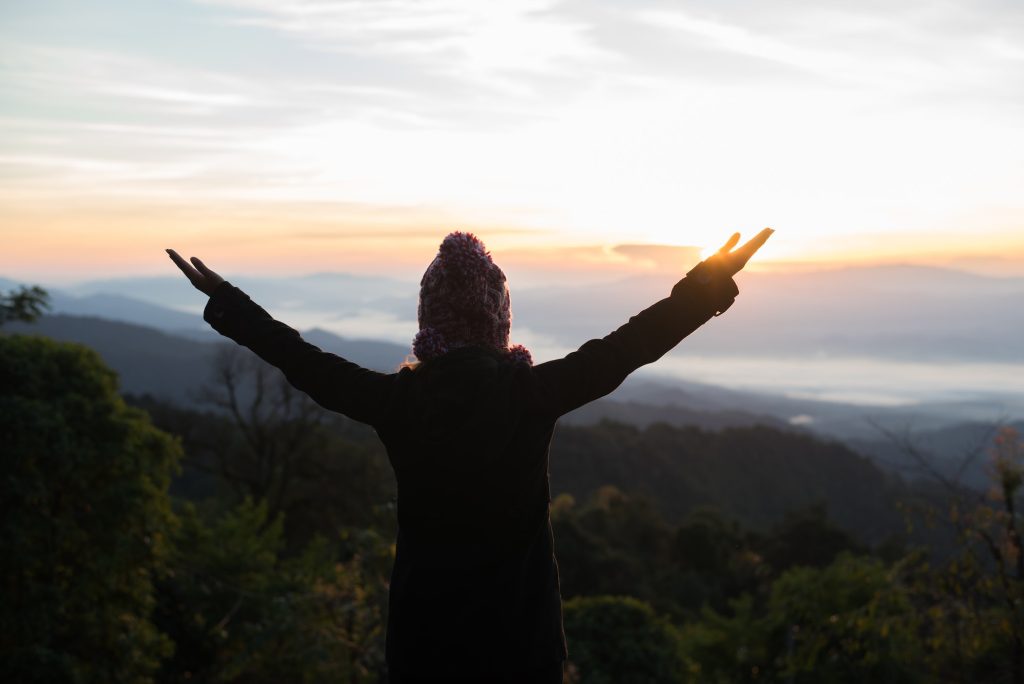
(474, 593)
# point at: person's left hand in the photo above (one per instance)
(199, 275)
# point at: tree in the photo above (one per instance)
(270, 442)
(239, 610)
(84, 519)
(969, 590)
(620, 640)
(809, 538)
(978, 608)
(24, 304)
(715, 560)
(614, 544)
(852, 621)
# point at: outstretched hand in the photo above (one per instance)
(199, 275)
(731, 261)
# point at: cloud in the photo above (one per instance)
(621, 122)
(660, 257)
(907, 48)
(114, 79)
(426, 232)
(486, 43)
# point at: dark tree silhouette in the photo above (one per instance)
(84, 519)
(24, 304)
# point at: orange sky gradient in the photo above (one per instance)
(53, 245)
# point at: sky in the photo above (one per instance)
(288, 136)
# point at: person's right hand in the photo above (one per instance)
(731, 261)
(199, 275)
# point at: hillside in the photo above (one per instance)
(643, 414)
(755, 468)
(150, 361)
(173, 364)
(755, 474)
(146, 360)
(959, 453)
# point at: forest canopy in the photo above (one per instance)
(249, 538)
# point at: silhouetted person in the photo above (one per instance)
(474, 591)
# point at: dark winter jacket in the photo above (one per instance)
(475, 583)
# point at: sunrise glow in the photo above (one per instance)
(296, 137)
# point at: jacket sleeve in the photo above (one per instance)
(331, 381)
(600, 365)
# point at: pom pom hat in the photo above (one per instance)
(464, 301)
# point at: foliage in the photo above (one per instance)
(239, 610)
(275, 566)
(851, 621)
(612, 545)
(755, 475)
(342, 482)
(973, 598)
(267, 441)
(102, 582)
(808, 537)
(85, 519)
(619, 544)
(621, 640)
(716, 560)
(954, 617)
(25, 304)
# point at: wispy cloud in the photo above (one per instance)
(912, 48)
(657, 121)
(490, 44)
(62, 73)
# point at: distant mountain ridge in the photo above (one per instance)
(173, 366)
(146, 360)
(920, 314)
(169, 366)
(888, 312)
(903, 313)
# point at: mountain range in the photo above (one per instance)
(885, 312)
(168, 352)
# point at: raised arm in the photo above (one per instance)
(600, 365)
(331, 381)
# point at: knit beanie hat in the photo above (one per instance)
(464, 301)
